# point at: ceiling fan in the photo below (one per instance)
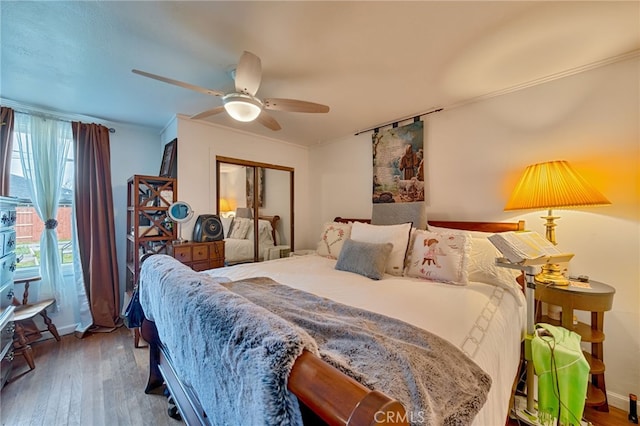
(243, 105)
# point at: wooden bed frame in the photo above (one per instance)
(274, 224)
(326, 394)
(274, 220)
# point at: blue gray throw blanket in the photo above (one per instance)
(436, 382)
(236, 356)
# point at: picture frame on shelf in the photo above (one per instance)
(169, 165)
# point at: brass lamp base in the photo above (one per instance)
(552, 274)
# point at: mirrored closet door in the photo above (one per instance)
(248, 191)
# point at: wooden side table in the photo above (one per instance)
(199, 256)
(594, 297)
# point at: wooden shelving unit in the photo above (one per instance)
(149, 228)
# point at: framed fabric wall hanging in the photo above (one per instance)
(398, 164)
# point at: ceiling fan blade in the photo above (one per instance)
(268, 121)
(248, 73)
(179, 83)
(208, 113)
(293, 105)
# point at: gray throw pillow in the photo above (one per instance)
(367, 259)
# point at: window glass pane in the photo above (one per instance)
(29, 227)
(28, 230)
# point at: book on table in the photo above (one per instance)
(526, 246)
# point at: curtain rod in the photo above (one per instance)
(415, 117)
(55, 117)
(17, 107)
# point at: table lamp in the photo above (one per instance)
(227, 207)
(554, 184)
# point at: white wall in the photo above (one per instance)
(198, 145)
(135, 150)
(476, 153)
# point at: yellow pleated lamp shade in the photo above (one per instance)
(554, 184)
(225, 205)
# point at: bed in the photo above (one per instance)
(483, 320)
(239, 240)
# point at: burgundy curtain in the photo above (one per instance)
(6, 148)
(95, 221)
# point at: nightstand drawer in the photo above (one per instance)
(6, 336)
(183, 254)
(7, 217)
(216, 250)
(199, 256)
(7, 328)
(7, 242)
(200, 252)
(7, 267)
(6, 294)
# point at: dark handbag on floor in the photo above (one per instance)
(133, 314)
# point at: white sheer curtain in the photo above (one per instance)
(44, 146)
(81, 308)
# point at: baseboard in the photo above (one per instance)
(618, 401)
(69, 329)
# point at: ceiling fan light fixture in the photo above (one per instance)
(242, 107)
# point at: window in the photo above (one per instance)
(29, 226)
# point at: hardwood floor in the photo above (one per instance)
(98, 380)
(615, 417)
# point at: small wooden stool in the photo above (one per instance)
(24, 313)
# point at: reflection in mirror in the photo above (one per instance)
(271, 236)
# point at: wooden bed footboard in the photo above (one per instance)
(328, 395)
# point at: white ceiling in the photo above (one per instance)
(371, 62)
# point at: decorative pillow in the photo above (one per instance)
(398, 235)
(332, 238)
(482, 266)
(265, 237)
(226, 225)
(240, 228)
(439, 257)
(366, 259)
(473, 234)
(482, 261)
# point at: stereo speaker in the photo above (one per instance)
(208, 227)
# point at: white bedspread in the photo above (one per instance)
(485, 321)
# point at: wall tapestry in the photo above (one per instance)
(250, 190)
(398, 172)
